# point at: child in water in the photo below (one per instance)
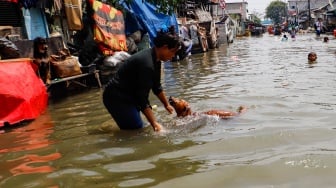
(326, 39)
(284, 38)
(312, 57)
(293, 35)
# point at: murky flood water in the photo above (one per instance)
(285, 139)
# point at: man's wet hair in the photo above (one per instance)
(169, 37)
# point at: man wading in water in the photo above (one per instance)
(127, 93)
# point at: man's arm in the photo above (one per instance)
(151, 118)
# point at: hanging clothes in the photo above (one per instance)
(57, 7)
(27, 4)
(73, 12)
(44, 4)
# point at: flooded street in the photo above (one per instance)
(286, 138)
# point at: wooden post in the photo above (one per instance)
(309, 15)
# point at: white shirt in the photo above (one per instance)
(318, 25)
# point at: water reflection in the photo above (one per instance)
(19, 146)
(33, 136)
(123, 160)
(30, 164)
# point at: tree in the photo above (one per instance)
(255, 18)
(277, 11)
(163, 6)
(257, 14)
(166, 6)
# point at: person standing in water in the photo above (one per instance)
(127, 93)
(318, 27)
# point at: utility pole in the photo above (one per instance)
(297, 14)
(309, 15)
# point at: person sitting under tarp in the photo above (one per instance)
(41, 59)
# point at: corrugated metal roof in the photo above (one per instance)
(316, 4)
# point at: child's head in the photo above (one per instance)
(312, 56)
(326, 39)
(40, 47)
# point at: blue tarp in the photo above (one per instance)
(35, 22)
(144, 16)
(266, 22)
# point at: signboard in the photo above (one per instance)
(109, 28)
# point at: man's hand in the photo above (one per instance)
(169, 108)
(157, 127)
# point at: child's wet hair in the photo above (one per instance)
(312, 56)
(325, 39)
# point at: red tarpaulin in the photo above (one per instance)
(23, 95)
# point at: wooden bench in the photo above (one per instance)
(74, 79)
(54, 44)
